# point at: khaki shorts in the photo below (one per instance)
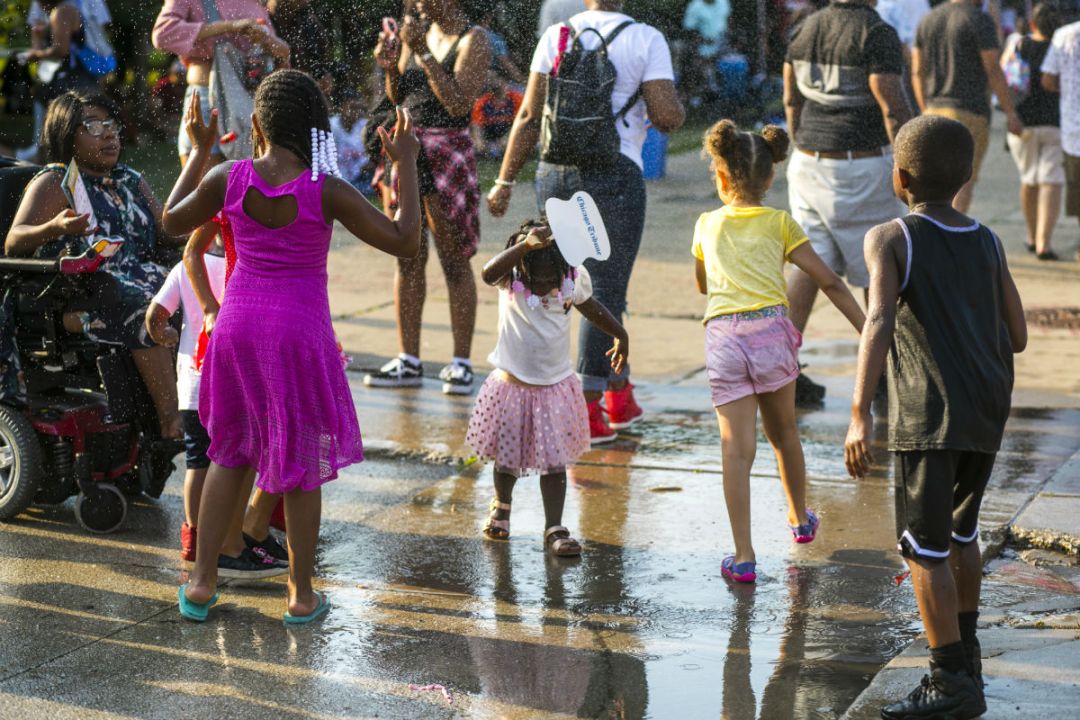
(837, 202)
(1072, 185)
(1038, 155)
(977, 125)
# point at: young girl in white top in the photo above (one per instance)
(530, 413)
(751, 348)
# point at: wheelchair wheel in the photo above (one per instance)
(20, 463)
(101, 511)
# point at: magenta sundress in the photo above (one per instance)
(274, 395)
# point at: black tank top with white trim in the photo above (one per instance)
(951, 361)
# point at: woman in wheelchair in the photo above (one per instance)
(83, 127)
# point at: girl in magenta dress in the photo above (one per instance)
(274, 396)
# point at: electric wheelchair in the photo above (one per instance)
(85, 425)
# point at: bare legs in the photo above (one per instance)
(303, 513)
(410, 285)
(1029, 205)
(259, 511)
(963, 199)
(220, 497)
(552, 490)
(1049, 210)
(738, 438)
(155, 366)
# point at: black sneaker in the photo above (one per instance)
(250, 566)
(396, 373)
(457, 379)
(808, 394)
(269, 547)
(974, 655)
(941, 694)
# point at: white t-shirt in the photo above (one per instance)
(534, 343)
(352, 155)
(177, 293)
(1063, 60)
(640, 54)
(709, 21)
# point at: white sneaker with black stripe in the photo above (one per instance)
(457, 379)
(395, 374)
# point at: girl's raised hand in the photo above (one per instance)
(619, 353)
(404, 145)
(538, 238)
(201, 134)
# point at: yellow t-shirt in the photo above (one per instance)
(744, 250)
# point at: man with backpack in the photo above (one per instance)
(592, 83)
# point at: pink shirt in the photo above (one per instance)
(179, 23)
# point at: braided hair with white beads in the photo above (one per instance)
(293, 113)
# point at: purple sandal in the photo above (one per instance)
(745, 572)
(806, 533)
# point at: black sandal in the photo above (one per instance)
(1048, 255)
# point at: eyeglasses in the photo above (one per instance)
(97, 128)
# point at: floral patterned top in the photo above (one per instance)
(123, 210)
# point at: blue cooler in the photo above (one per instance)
(654, 154)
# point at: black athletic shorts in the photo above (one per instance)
(938, 494)
(196, 441)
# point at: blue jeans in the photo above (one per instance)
(619, 192)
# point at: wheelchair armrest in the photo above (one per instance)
(30, 265)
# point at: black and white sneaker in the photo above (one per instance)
(250, 566)
(941, 694)
(457, 379)
(268, 547)
(396, 373)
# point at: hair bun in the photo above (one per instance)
(721, 138)
(778, 141)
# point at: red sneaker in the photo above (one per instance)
(599, 430)
(623, 410)
(187, 543)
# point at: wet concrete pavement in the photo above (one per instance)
(642, 626)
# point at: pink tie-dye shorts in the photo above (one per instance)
(750, 353)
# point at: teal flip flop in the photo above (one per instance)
(194, 611)
(319, 611)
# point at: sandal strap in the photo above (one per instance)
(496, 505)
(558, 543)
(555, 529)
(503, 525)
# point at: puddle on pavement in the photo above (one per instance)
(642, 626)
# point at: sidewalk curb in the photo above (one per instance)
(1051, 519)
(904, 670)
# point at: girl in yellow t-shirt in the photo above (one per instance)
(751, 348)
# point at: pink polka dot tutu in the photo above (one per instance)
(529, 427)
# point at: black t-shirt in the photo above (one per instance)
(950, 41)
(1039, 107)
(833, 54)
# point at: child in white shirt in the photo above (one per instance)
(530, 413)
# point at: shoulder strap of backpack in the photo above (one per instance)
(617, 31)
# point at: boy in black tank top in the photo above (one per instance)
(945, 311)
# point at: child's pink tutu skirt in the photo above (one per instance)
(529, 427)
